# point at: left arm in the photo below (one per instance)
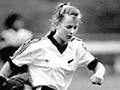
(87, 59)
(99, 71)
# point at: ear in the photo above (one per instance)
(59, 25)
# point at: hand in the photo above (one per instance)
(97, 79)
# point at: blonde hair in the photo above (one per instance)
(61, 10)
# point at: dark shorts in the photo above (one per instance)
(43, 88)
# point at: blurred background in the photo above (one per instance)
(100, 31)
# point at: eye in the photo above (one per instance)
(75, 27)
(69, 27)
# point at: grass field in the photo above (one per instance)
(82, 82)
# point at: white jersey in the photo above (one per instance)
(48, 66)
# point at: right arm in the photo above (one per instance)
(9, 66)
(6, 70)
(23, 56)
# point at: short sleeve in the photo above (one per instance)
(24, 57)
(84, 55)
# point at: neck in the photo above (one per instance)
(59, 40)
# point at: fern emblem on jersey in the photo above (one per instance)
(69, 61)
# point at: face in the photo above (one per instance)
(67, 28)
(18, 24)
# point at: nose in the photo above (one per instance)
(72, 30)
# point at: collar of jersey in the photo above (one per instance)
(61, 49)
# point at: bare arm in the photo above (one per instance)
(98, 76)
(100, 69)
(6, 70)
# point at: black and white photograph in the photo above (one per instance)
(59, 44)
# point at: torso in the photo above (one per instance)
(48, 66)
(55, 67)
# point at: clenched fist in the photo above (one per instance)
(97, 79)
